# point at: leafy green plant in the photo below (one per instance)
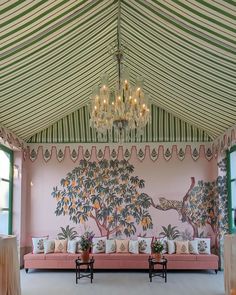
(170, 232)
(157, 247)
(67, 233)
(86, 241)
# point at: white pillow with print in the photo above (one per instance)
(204, 245)
(134, 246)
(38, 245)
(193, 247)
(171, 246)
(110, 246)
(99, 245)
(71, 246)
(78, 249)
(144, 245)
(49, 246)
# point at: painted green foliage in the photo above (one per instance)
(170, 232)
(107, 192)
(67, 233)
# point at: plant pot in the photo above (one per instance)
(157, 256)
(85, 256)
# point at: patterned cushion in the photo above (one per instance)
(60, 246)
(171, 246)
(99, 245)
(193, 247)
(110, 246)
(144, 245)
(204, 245)
(71, 246)
(78, 250)
(122, 246)
(134, 247)
(182, 247)
(38, 246)
(49, 246)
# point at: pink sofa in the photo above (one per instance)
(120, 261)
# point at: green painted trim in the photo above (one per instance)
(10, 153)
(232, 228)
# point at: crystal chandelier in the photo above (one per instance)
(124, 109)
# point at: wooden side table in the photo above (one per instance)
(153, 272)
(88, 270)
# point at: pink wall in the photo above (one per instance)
(169, 179)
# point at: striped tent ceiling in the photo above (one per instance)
(53, 52)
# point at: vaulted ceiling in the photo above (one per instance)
(54, 52)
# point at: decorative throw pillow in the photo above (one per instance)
(193, 247)
(182, 247)
(122, 246)
(110, 246)
(171, 246)
(145, 245)
(60, 246)
(49, 246)
(38, 244)
(204, 245)
(99, 245)
(78, 249)
(133, 246)
(71, 246)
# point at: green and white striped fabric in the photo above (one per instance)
(53, 52)
(164, 127)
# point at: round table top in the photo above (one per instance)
(158, 261)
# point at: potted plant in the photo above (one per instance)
(84, 244)
(157, 248)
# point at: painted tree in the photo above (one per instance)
(200, 206)
(107, 192)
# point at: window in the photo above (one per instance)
(6, 188)
(232, 188)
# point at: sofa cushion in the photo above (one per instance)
(99, 245)
(122, 246)
(171, 246)
(182, 247)
(38, 244)
(71, 246)
(180, 257)
(60, 246)
(204, 257)
(49, 246)
(145, 245)
(134, 246)
(110, 246)
(31, 256)
(56, 256)
(204, 245)
(193, 247)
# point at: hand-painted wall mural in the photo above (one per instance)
(109, 193)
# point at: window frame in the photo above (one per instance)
(10, 181)
(232, 227)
